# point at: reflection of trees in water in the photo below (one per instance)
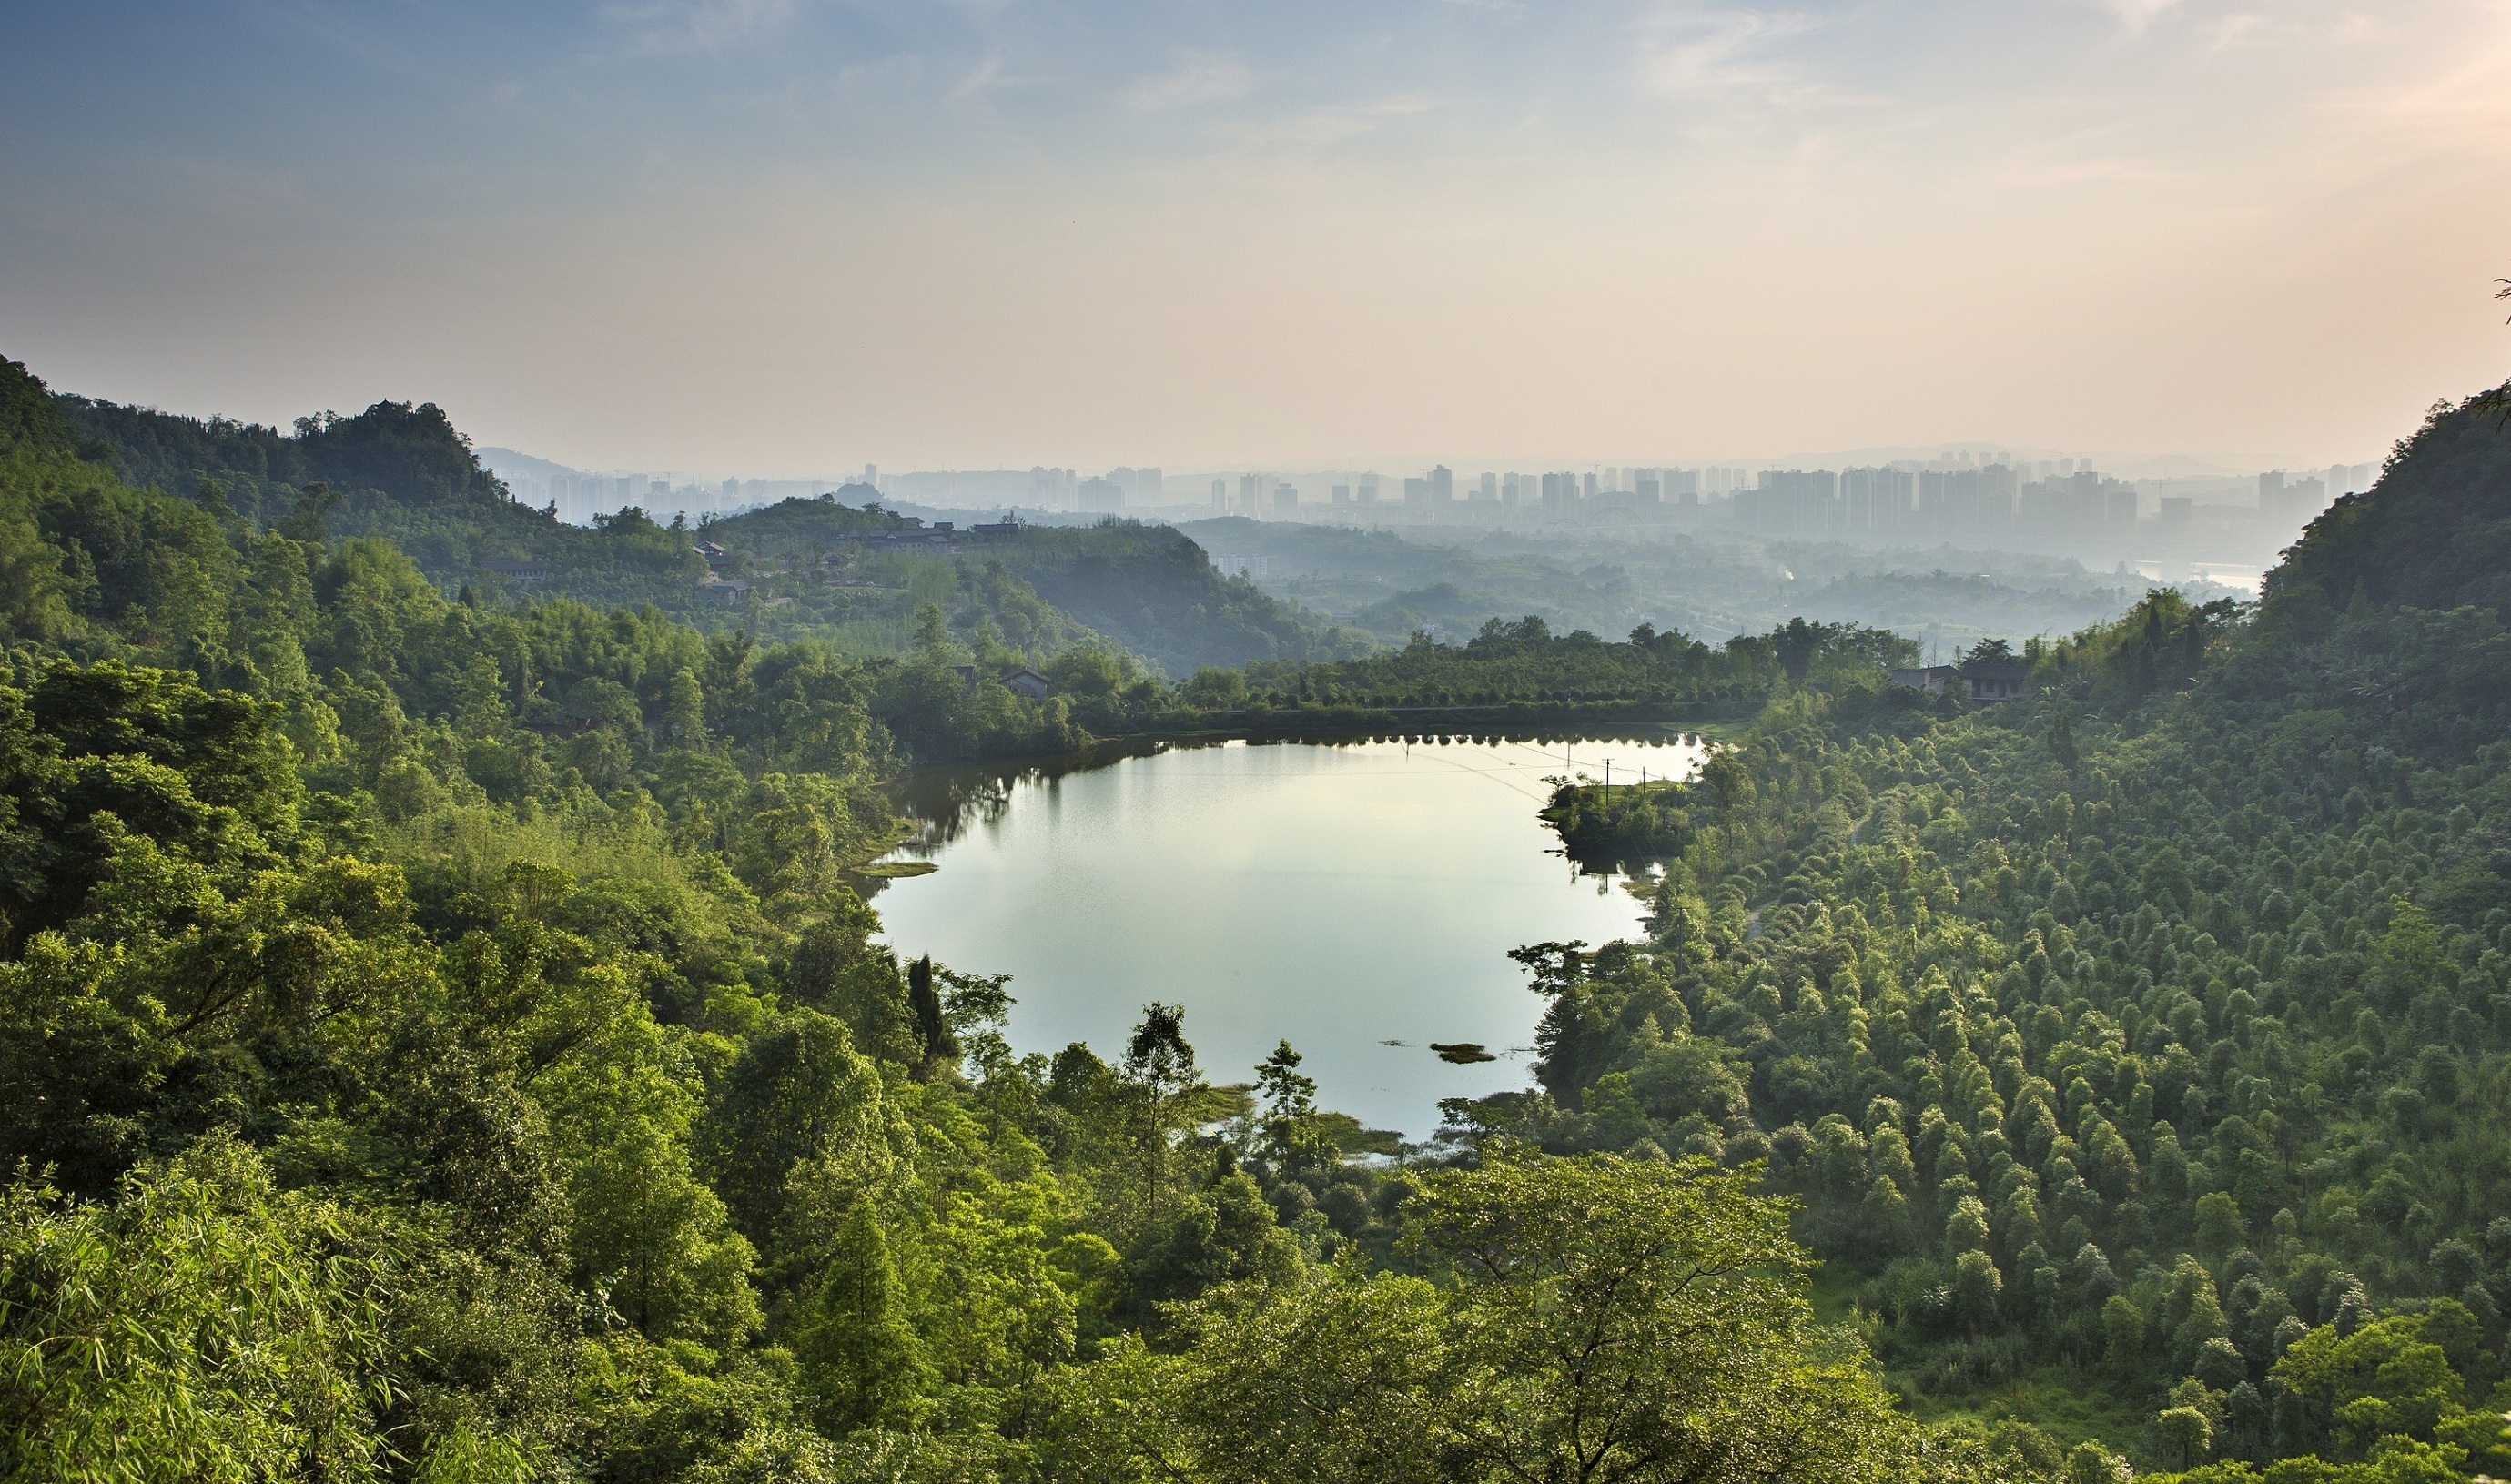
(947, 801)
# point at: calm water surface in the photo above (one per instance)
(1343, 896)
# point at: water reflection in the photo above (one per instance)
(941, 802)
(1357, 896)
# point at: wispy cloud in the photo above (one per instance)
(2234, 29)
(1332, 125)
(1687, 51)
(1191, 78)
(2137, 14)
(981, 79)
(2461, 108)
(695, 25)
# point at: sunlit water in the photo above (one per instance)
(1357, 898)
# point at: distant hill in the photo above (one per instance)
(2435, 533)
(403, 471)
(507, 463)
(409, 453)
(1150, 588)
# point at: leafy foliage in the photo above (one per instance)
(2142, 1040)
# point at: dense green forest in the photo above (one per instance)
(404, 472)
(1525, 664)
(2136, 1053)
(441, 1042)
(442, 1039)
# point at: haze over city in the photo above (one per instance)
(765, 237)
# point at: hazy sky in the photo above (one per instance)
(756, 235)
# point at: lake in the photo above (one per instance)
(1358, 899)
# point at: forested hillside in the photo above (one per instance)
(440, 1041)
(1525, 664)
(405, 473)
(2137, 1051)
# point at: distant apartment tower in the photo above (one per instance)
(1142, 486)
(1102, 496)
(1220, 495)
(1962, 501)
(2298, 502)
(2079, 504)
(1789, 502)
(1049, 488)
(1878, 499)
(1286, 498)
(1342, 494)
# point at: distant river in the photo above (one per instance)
(1344, 896)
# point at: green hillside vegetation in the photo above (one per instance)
(404, 472)
(1525, 664)
(2135, 1052)
(440, 1038)
(1149, 589)
(439, 1041)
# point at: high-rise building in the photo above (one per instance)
(2271, 492)
(1286, 498)
(1220, 495)
(1789, 502)
(1878, 499)
(1342, 494)
(1490, 487)
(1103, 495)
(1441, 485)
(1143, 486)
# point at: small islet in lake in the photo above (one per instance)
(1357, 898)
